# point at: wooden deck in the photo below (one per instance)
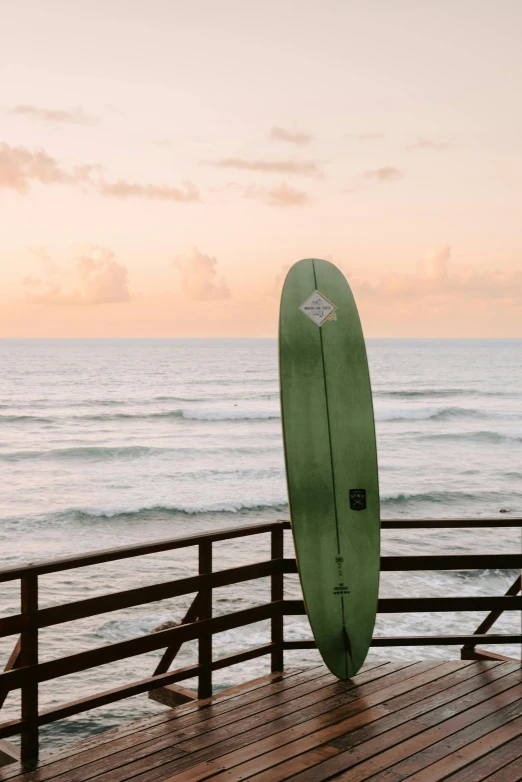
(421, 721)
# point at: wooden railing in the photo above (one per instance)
(23, 671)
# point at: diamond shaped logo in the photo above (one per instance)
(318, 308)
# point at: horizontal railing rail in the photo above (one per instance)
(24, 672)
(420, 640)
(407, 605)
(450, 523)
(170, 544)
(81, 609)
(137, 550)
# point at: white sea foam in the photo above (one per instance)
(181, 509)
(428, 414)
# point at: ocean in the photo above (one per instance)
(111, 442)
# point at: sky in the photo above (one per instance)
(163, 164)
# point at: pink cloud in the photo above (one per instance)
(21, 167)
(199, 277)
(293, 167)
(123, 190)
(426, 143)
(282, 195)
(286, 196)
(74, 116)
(92, 277)
(382, 175)
(375, 176)
(277, 285)
(439, 279)
(290, 136)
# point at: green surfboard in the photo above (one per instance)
(331, 460)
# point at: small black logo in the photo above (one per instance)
(358, 499)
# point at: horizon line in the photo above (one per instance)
(238, 339)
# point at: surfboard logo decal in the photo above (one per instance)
(341, 588)
(358, 499)
(319, 308)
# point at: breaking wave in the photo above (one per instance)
(437, 497)
(429, 414)
(415, 394)
(195, 415)
(477, 437)
(440, 393)
(208, 414)
(15, 419)
(128, 452)
(181, 509)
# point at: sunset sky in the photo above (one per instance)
(163, 163)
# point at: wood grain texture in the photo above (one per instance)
(488, 766)
(421, 721)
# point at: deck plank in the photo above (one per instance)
(487, 741)
(510, 773)
(423, 721)
(134, 728)
(219, 712)
(487, 766)
(261, 712)
(261, 725)
(247, 690)
(364, 710)
(132, 733)
(380, 752)
(425, 739)
(466, 744)
(297, 748)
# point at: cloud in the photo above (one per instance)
(282, 195)
(427, 143)
(383, 175)
(437, 261)
(92, 277)
(287, 196)
(374, 176)
(290, 136)
(295, 167)
(437, 278)
(199, 280)
(277, 285)
(123, 190)
(74, 116)
(20, 168)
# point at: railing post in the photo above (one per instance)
(469, 651)
(29, 656)
(277, 593)
(205, 612)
